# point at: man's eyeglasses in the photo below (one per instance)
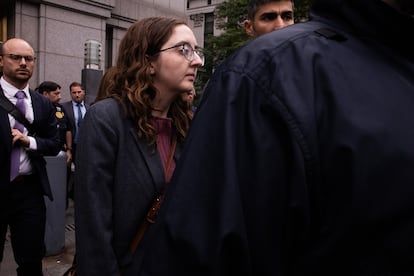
(18, 58)
(188, 52)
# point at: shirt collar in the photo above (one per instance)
(76, 104)
(10, 90)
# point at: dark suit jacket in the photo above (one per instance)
(69, 110)
(46, 134)
(120, 176)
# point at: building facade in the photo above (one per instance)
(59, 29)
(202, 19)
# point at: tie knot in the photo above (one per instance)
(20, 95)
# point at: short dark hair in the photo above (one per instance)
(255, 4)
(47, 86)
(74, 84)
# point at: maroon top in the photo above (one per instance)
(163, 127)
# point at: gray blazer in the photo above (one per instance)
(117, 178)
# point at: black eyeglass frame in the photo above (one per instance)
(18, 58)
(197, 50)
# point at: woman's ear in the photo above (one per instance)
(152, 69)
(151, 65)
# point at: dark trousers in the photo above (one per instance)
(71, 184)
(22, 208)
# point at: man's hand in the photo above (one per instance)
(68, 157)
(19, 139)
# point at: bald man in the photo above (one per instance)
(23, 176)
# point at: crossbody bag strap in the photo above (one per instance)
(156, 204)
(10, 108)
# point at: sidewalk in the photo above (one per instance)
(52, 265)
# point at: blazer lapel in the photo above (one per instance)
(36, 106)
(5, 129)
(152, 160)
(69, 109)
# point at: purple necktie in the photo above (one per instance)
(15, 155)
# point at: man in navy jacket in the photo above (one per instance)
(300, 160)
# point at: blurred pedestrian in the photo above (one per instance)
(52, 91)
(190, 97)
(105, 82)
(76, 110)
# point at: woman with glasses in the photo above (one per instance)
(131, 140)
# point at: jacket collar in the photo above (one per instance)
(370, 19)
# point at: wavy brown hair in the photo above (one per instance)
(131, 83)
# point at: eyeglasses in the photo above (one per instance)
(18, 58)
(188, 52)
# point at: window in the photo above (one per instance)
(209, 24)
(109, 44)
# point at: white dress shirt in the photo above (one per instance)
(10, 92)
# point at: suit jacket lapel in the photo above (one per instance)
(69, 109)
(5, 132)
(152, 160)
(36, 106)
